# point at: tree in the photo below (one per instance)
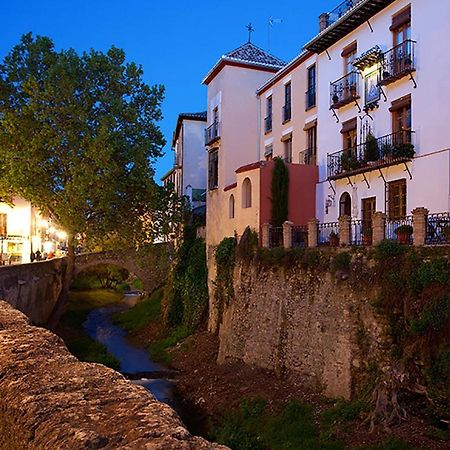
(78, 136)
(280, 193)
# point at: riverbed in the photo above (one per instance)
(135, 361)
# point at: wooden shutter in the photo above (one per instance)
(401, 18)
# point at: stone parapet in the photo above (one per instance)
(50, 400)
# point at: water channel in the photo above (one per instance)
(135, 362)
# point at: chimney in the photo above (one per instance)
(323, 21)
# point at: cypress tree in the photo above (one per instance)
(280, 193)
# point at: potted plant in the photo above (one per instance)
(387, 151)
(353, 90)
(371, 149)
(367, 235)
(334, 239)
(348, 162)
(335, 98)
(404, 233)
(405, 150)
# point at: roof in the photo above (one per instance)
(167, 174)
(200, 116)
(343, 20)
(247, 55)
(299, 59)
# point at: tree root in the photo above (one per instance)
(387, 409)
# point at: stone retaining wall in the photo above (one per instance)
(50, 400)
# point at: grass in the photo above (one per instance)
(252, 427)
(389, 444)
(158, 349)
(87, 350)
(80, 344)
(144, 312)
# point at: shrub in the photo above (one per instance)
(388, 249)
(342, 261)
(280, 193)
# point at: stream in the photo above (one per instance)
(135, 361)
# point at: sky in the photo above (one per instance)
(175, 41)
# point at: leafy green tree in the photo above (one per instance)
(78, 136)
(280, 193)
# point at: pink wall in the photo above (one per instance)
(302, 193)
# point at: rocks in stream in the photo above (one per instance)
(50, 400)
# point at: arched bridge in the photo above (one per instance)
(40, 289)
(151, 265)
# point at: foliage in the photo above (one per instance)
(144, 312)
(389, 444)
(371, 148)
(87, 350)
(254, 427)
(225, 262)
(433, 317)
(79, 134)
(342, 412)
(108, 276)
(388, 249)
(248, 244)
(158, 349)
(342, 261)
(280, 193)
(186, 297)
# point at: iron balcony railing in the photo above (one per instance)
(287, 112)
(384, 151)
(310, 98)
(268, 124)
(398, 62)
(276, 237)
(344, 90)
(400, 230)
(300, 236)
(308, 157)
(341, 10)
(438, 229)
(212, 133)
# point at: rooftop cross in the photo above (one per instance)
(250, 31)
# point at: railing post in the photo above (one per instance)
(265, 231)
(287, 234)
(344, 230)
(420, 226)
(312, 232)
(378, 227)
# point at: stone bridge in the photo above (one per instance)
(40, 289)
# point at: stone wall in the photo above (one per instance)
(33, 288)
(314, 322)
(50, 400)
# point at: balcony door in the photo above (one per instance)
(369, 206)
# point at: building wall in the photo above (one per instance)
(194, 155)
(430, 127)
(233, 92)
(300, 116)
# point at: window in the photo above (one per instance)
(268, 152)
(311, 138)
(213, 169)
(345, 205)
(349, 56)
(311, 92)
(216, 115)
(287, 102)
(397, 199)
(247, 193)
(288, 150)
(349, 136)
(231, 207)
(401, 121)
(3, 224)
(268, 119)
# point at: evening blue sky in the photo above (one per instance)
(175, 41)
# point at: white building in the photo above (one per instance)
(382, 117)
(188, 175)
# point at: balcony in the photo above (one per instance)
(372, 155)
(268, 124)
(287, 113)
(212, 133)
(344, 91)
(398, 62)
(310, 98)
(345, 18)
(308, 157)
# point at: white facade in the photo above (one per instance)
(430, 168)
(188, 175)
